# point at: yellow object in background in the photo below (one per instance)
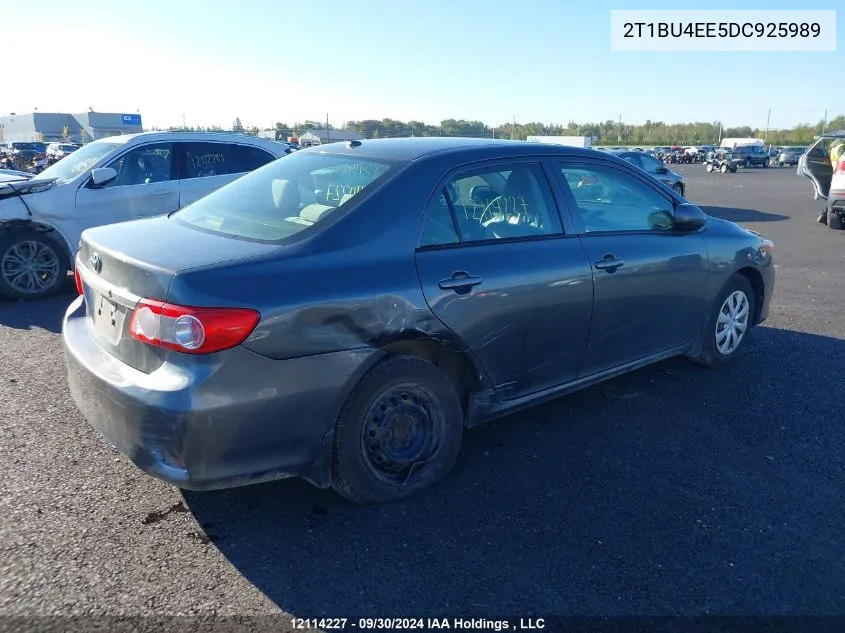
(837, 148)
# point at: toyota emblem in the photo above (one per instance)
(96, 262)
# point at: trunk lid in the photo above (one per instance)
(120, 264)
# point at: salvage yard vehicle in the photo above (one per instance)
(114, 179)
(749, 156)
(826, 169)
(655, 168)
(722, 162)
(343, 314)
(790, 156)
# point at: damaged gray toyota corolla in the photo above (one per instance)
(343, 313)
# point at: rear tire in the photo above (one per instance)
(723, 169)
(33, 265)
(731, 319)
(709, 167)
(399, 432)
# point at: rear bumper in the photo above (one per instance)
(219, 421)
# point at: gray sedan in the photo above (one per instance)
(344, 313)
(656, 169)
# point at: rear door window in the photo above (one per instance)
(204, 159)
(286, 196)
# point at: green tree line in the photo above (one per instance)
(608, 132)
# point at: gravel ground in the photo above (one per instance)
(673, 490)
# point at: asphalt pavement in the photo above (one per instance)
(673, 490)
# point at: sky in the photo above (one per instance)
(206, 62)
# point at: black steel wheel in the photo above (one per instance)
(399, 432)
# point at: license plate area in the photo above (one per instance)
(108, 318)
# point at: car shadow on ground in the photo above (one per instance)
(46, 314)
(672, 490)
(735, 214)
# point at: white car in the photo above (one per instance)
(60, 150)
(111, 180)
(828, 179)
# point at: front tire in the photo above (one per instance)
(32, 265)
(399, 432)
(723, 168)
(731, 319)
(709, 167)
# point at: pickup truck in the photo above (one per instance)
(751, 156)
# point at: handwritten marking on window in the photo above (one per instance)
(336, 192)
(358, 169)
(83, 165)
(206, 160)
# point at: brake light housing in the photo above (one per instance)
(191, 330)
(78, 279)
(840, 167)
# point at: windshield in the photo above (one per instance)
(23, 146)
(78, 162)
(284, 197)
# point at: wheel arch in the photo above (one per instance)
(756, 280)
(443, 350)
(9, 226)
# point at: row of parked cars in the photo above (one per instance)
(31, 157)
(748, 155)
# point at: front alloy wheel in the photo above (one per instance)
(731, 319)
(31, 265)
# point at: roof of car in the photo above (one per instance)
(189, 136)
(410, 149)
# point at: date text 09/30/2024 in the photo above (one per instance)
(416, 624)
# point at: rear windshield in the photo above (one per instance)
(284, 197)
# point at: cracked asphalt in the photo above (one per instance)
(673, 490)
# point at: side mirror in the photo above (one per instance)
(689, 218)
(102, 176)
(662, 170)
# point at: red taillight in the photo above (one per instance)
(840, 167)
(191, 330)
(78, 279)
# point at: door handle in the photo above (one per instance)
(166, 192)
(609, 263)
(459, 281)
